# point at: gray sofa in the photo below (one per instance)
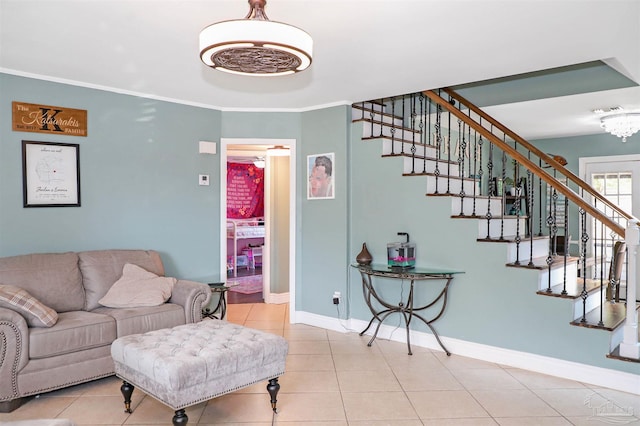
(76, 349)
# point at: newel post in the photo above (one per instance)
(630, 346)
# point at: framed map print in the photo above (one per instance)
(50, 174)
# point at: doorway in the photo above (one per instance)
(279, 237)
(614, 178)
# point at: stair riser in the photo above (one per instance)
(372, 106)
(417, 165)
(421, 150)
(617, 336)
(376, 117)
(557, 275)
(481, 206)
(374, 131)
(594, 300)
(497, 227)
(523, 252)
(454, 185)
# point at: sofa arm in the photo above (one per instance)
(193, 296)
(14, 351)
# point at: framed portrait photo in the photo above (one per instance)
(50, 174)
(321, 176)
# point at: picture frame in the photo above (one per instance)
(50, 174)
(321, 176)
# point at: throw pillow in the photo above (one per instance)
(35, 312)
(137, 288)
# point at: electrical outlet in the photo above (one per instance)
(336, 297)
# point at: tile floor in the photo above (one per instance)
(334, 379)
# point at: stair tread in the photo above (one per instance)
(441, 176)
(615, 354)
(420, 157)
(394, 139)
(509, 238)
(573, 289)
(389, 125)
(541, 262)
(493, 217)
(613, 314)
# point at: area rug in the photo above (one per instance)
(245, 285)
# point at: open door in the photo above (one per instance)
(278, 255)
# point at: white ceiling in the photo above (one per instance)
(363, 49)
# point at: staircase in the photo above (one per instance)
(467, 156)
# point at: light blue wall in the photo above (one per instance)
(139, 169)
(323, 246)
(598, 145)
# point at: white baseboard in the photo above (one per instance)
(598, 376)
(277, 298)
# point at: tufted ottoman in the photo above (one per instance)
(192, 363)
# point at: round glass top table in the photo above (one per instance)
(406, 307)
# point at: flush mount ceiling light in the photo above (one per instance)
(278, 151)
(255, 45)
(621, 125)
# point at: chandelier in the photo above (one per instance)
(621, 125)
(255, 45)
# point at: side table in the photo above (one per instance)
(220, 309)
(406, 307)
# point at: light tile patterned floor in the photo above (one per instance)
(334, 379)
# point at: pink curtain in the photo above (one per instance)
(245, 191)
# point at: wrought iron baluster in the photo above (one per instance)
(372, 116)
(530, 210)
(449, 151)
(541, 198)
(595, 247)
(393, 126)
(518, 238)
(481, 171)
(413, 133)
(422, 136)
(475, 169)
(461, 152)
(551, 224)
(602, 264)
(555, 215)
(584, 238)
(436, 172)
(403, 138)
(504, 193)
(492, 185)
(428, 133)
(565, 249)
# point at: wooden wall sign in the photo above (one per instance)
(49, 119)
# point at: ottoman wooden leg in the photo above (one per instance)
(127, 391)
(273, 387)
(180, 418)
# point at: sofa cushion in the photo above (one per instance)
(138, 287)
(102, 268)
(141, 320)
(35, 312)
(52, 278)
(74, 331)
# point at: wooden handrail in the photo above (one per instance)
(537, 170)
(542, 155)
